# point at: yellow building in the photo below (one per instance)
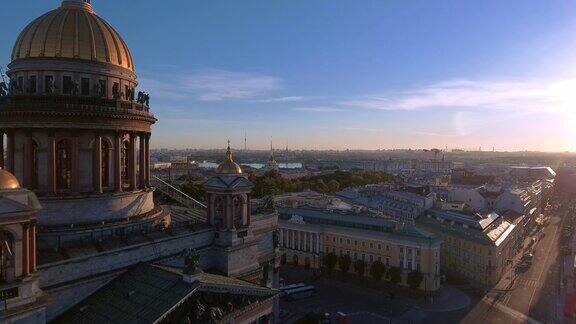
(475, 247)
(307, 234)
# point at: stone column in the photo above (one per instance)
(10, 151)
(1, 149)
(118, 162)
(132, 162)
(51, 163)
(147, 150)
(75, 163)
(298, 240)
(143, 164)
(318, 243)
(25, 249)
(97, 164)
(293, 240)
(33, 247)
(28, 163)
(281, 237)
(249, 209)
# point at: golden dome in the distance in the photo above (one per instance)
(73, 31)
(8, 181)
(229, 166)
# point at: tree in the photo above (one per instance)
(414, 279)
(333, 186)
(377, 270)
(395, 275)
(344, 263)
(329, 261)
(359, 267)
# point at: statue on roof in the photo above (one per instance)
(3, 89)
(191, 261)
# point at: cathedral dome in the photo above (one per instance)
(229, 166)
(8, 181)
(73, 31)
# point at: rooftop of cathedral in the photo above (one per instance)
(150, 293)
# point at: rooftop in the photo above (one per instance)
(148, 293)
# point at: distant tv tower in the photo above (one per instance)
(245, 142)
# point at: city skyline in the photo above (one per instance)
(334, 75)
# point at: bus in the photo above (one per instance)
(290, 287)
(299, 293)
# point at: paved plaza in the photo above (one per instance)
(364, 304)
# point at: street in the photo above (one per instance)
(534, 295)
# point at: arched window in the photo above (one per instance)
(7, 257)
(238, 212)
(105, 156)
(34, 173)
(64, 164)
(219, 212)
(125, 163)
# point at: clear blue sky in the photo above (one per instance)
(347, 74)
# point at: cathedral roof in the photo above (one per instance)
(73, 31)
(229, 166)
(148, 293)
(8, 181)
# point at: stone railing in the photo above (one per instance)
(176, 194)
(71, 103)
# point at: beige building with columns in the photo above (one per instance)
(307, 234)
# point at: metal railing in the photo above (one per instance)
(175, 193)
(71, 103)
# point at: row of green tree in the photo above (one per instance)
(377, 270)
(272, 183)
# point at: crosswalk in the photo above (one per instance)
(531, 283)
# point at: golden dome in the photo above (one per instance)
(8, 181)
(73, 31)
(229, 166)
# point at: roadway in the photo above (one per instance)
(532, 296)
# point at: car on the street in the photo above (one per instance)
(528, 256)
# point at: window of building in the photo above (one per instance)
(20, 84)
(371, 258)
(105, 164)
(379, 246)
(125, 169)
(218, 212)
(363, 244)
(7, 259)
(348, 241)
(387, 248)
(48, 84)
(85, 86)
(418, 252)
(32, 84)
(34, 173)
(355, 255)
(371, 245)
(102, 88)
(363, 257)
(379, 259)
(334, 239)
(63, 164)
(387, 262)
(355, 242)
(67, 84)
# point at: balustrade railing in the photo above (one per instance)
(176, 194)
(71, 103)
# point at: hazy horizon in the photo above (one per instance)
(338, 75)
